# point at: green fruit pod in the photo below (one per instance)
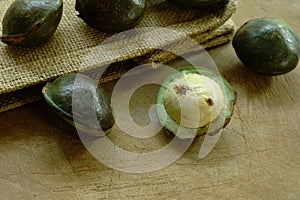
(31, 22)
(79, 102)
(267, 46)
(195, 101)
(111, 16)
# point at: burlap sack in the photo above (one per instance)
(23, 71)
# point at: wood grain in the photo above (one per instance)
(257, 157)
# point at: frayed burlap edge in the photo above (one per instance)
(32, 94)
(210, 39)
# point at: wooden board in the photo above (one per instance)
(257, 156)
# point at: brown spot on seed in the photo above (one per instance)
(210, 102)
(180, 89)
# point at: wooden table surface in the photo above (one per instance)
(257, 156)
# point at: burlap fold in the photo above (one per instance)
(23, 71)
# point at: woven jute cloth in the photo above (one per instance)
(23, 71)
